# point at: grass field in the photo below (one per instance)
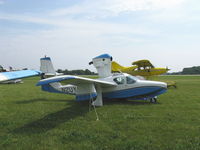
(32, 119)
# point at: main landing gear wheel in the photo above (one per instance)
(153, 100)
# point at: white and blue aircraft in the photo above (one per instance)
(16, 76)
(107, 86)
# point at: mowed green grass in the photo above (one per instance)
(32, 119)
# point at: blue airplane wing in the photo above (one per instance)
(6, 76)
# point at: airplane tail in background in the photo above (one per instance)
(46, 67)
(116, 66)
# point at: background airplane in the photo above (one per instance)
(140, 68)
(108, 86)
(15, 76)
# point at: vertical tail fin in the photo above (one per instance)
(46, 66)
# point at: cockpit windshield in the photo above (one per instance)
(119, 80)
(130, 79)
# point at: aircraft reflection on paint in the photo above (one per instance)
(108, 86)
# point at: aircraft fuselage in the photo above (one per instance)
(127, 87)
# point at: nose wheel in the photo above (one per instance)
(153, 100)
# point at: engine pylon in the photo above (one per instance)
(103, 65)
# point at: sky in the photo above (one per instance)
(72, 32)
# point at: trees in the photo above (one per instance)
(191, 70)
(76, 72)
(187, 71)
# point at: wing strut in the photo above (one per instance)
(91, 103)
(98, 101)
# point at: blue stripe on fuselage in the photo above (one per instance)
(50, 89)
(146, 91)
(137, 93)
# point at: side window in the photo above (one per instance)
(130, 80)
(119, 80)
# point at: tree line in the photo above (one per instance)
(188, 71)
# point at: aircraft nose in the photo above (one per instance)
(156, 84)
(160, 88)
(154, 88)
(163, 88)
(162, 84)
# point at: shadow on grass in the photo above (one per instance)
(52, 120)
(105, 102)
(74, 110)
(39, 100)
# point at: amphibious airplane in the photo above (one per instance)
(140, 68)
(15, 76)
(107, 86)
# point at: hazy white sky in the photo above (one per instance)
(72, 32)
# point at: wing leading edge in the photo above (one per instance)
(75, 80)
(143, 63)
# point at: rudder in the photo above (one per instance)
(46, 66)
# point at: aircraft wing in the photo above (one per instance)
(75, 80)
(6, 76)
(143, 63)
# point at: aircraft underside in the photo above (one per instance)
(143, 93)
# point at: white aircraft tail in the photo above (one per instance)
(47, 69)
(46, 66)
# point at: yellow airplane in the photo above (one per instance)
(140, 68)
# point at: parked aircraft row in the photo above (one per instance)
(108, 86)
